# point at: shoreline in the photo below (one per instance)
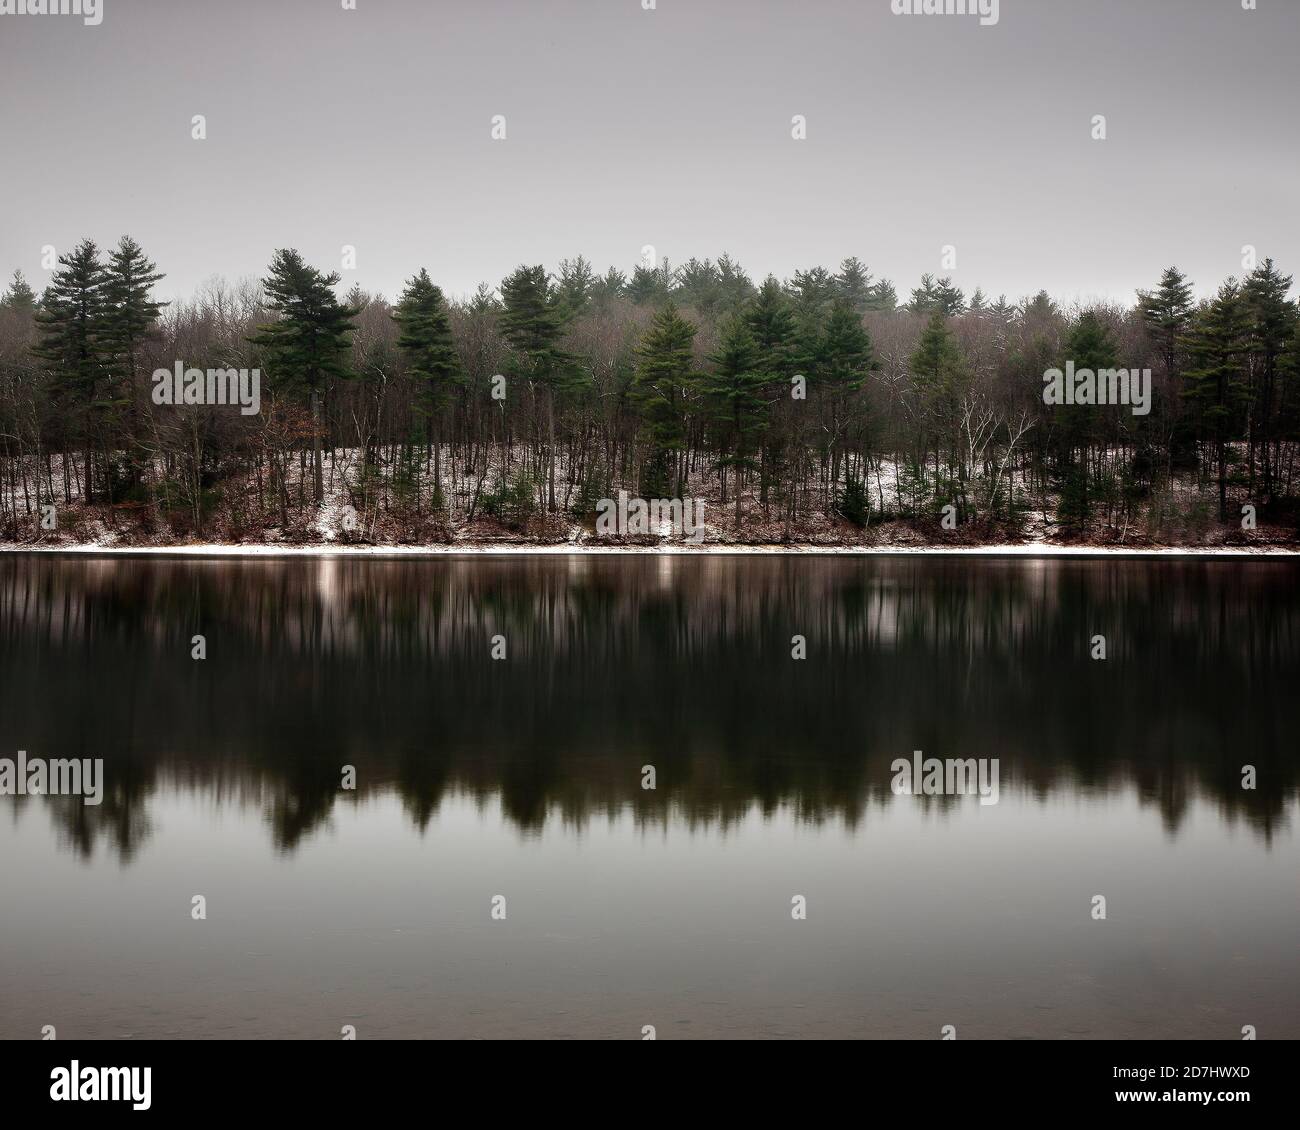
(506, 549)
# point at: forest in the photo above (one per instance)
(825, 408)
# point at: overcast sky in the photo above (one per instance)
(669, 127)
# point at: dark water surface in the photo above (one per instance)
(522, 777)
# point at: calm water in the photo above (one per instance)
(522, 776)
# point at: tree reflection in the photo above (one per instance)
(616, 662)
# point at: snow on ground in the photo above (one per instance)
(331, 531)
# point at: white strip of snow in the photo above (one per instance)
(1032, 549)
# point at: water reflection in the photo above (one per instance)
(613, 663)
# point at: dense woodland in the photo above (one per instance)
(825, 407)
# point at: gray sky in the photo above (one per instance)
(669, 127)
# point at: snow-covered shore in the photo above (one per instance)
(1032, 549)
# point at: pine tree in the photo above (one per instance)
(1039, 309)
(1217, 344)
(308, 344)
(847, 353)
(129, 319)
(734, 284)
(937, 362)
(1089, 346)
(940, 375)
(20, 298)
(1002, 311)
(650, 286)
(576, 283)
(1167, 313)
(949, 299)
(1272, 325)
(664, 386)
(853, 284)
(941, 296)
(70, 323)
(605, 290)
(484, 301)
(852, 503)
(699, 287)
(771, 321)
(811, 293)
(130, 311)
(924, 299)
(426, 343)
(883, 297)
(736, 394)
(845, 357)
(533, 322)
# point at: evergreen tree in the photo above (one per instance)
(949, 299)
(1038, 309)
(129, 317)
(853, 284)
(883, 296)
(736, 393)
(70, 324)
(432, 360)
(130, 311)
(941, 296)
(1090, 346)
(608, 288)
(847, 353)
(1272, 325)
(845, 358)
(1167, 312)
(811, 293)
(484, 301)
(665, 383)
(650, 286)
(924, 299)
(533, 322)
(771, 321)
(576, 284)
(941, 376)
(1216, 376)
(734, 284)
(699, 287)
(1002, 311)
(20, 297)
(937, 362)
(852, 503)
(308, 343)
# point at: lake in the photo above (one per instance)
(500, 870)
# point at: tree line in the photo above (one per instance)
(821, 398)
